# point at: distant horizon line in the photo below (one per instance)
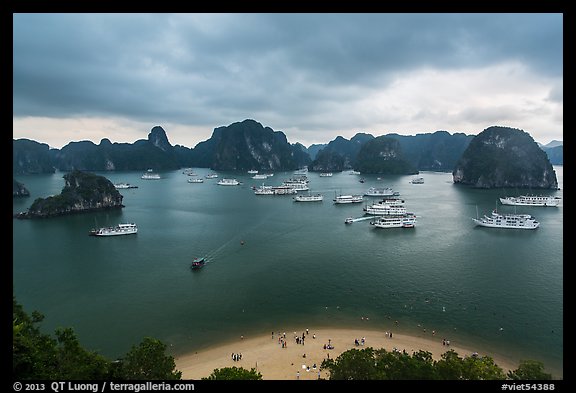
(307, 147)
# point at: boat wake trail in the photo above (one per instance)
(240, 237)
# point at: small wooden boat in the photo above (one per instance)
(197, 263)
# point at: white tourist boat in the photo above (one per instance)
(120, 229)
(344, 199)
(149, 175)
(385, 209)
(309, 198)
(301, 171)
(298, 185)
(228, 182)
(353, 172)
(531, 200)
(211, 176)
(252, 171)
(507, 221)
(259, 176)
(326, 174)
(283, 190)
(263, 190)
(124, 186)
(404, 221)
(197, 180)
(417, 180)
(381, 192)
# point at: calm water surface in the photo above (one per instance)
(299, 265)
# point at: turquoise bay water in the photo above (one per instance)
(299, 266)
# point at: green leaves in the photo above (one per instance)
(36, 355)
(234, 373)
(380, 364)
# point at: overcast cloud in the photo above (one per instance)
(313, 76)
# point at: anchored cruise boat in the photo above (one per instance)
(342, 199)
(507, 221)
(228, 182)
(385, 209)
(405, 221)
(531, 200)
(381, 192)
(309, 198)
(120, 229)
(124, 186)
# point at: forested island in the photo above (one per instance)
(82, 192)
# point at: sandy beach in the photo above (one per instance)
(268, 356)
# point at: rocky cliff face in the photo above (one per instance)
(383, 155)
(505, 157)
(248, 145)
(82, 192)
(18, 189)
(31, 157)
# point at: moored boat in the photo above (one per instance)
(345, 199)
(531, 200)
(385, 209)
(404, 221)
(228, 182)
(383, 192)
(309, 198)
(124, 186)
(197, 180)
(149, 175)
(263, 190)
(283, 190)
(507, 221)
(120, 229)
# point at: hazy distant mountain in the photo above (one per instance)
(554, 143)
(505, 157)
(242, 146)
(555, 152)
(438, 151)
(314, 149)
(383, 155)
(339, 154)
(155, 152)
(31, 157)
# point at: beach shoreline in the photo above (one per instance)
(275, 361)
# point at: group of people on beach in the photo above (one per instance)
(236, 356)
(361, 342)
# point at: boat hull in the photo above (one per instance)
(491, 224)
(551, 202)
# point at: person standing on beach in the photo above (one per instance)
(297, 374)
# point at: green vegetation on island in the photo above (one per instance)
(380, 364)
(234, 373)
(505, 157)
(383, 155)
(39, 356)
(82, 192)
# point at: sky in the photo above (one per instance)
(313, 76)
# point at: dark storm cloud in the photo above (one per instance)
(212, 69)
